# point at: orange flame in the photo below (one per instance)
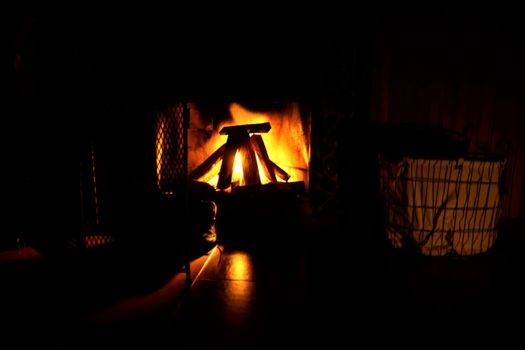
(287, 144)
(238, 175)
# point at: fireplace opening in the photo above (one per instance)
(252, 159)
(249, 146)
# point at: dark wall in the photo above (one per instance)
(42, 133)
(462, 70)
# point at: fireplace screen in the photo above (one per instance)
(170, 147)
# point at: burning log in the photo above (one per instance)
(280, 172)
(208, 164)
(267, 165)
(239, 139)
(225, 175)
(249, 147)
(246, 128)
(249, 163)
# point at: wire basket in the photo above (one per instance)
(443, 206)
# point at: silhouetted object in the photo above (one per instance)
(439, 199)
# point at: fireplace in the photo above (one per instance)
(254, 157)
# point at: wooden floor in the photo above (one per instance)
(244, 299)
(255, 293)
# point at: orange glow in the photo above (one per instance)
(22, 253)
(161, 125)
(240, 289)
(287, 143)
(92, 241)
(240, 267)
(264, 179)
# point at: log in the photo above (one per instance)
(240, 140)
(208, 164)
(296, 187)
(249, 162)
(246, 128)
(280, 172)
(266, 164)
(226, 172)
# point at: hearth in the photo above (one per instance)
(254, 157)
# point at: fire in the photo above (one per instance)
(237, 176)
(287, 144)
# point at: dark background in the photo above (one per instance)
(88, 77)
(93, 79)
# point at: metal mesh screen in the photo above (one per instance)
(171, 148)
(92, 241)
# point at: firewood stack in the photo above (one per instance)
(245, 139)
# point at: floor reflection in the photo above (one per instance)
(239, 291)
(239, 266)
